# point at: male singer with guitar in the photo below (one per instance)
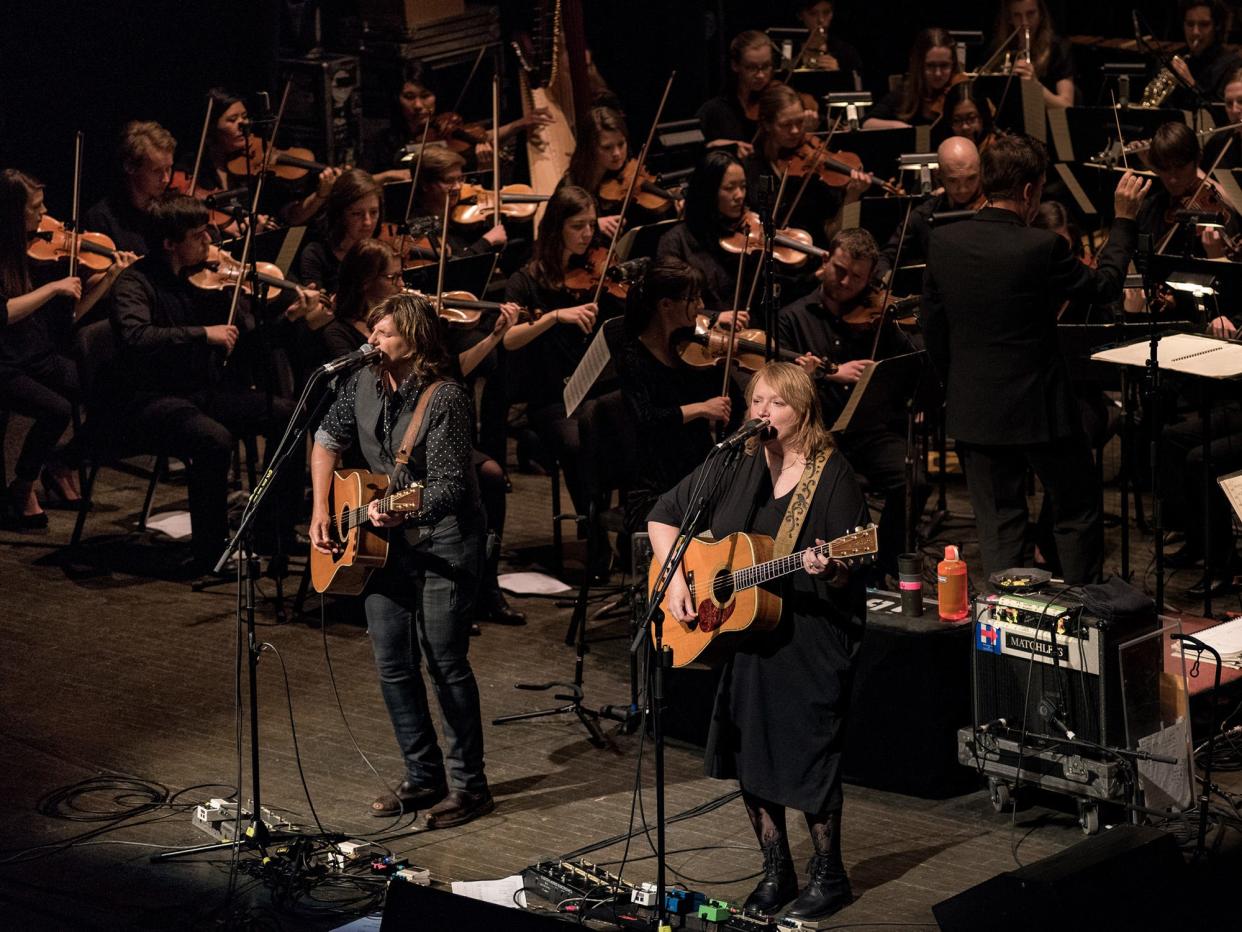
(420, 601)
(779, 720)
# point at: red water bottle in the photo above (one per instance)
(952, 586)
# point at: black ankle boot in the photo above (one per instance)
(827, 890)
(779, 884)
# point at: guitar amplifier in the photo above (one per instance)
(324, 113)
(1040, 657)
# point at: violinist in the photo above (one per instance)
(782, 135)
(1233, 114)
(353, 212)
(146, 159)
(174, 395)
(961, 189)
(715, 202)
(967, 114)
(369, 273)
(731, 119)
(823, 50)
(679, 406)
(1047, 59)
(1208, 63)
(441, 177)
(1174, 157)
(415, 103)
(548, 350)
(920, 98)
(820, 326)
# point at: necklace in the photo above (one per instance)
(791, 466)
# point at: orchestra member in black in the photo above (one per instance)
(779, 720)
(680, 407)
(815, 326)
(353, 212)
(1051, 63)
(919, 99)
(825, 50)
(174, 395)
(960, 190)
(369, 273)
(146, 159)
(1174, 157)
(1208, 63)
(546, 351)
(715, 202)
(966, 113)
(440, 177)
(731, 119)
(991, 292)
(418, 604)
(1232, 156)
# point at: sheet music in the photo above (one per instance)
(1231, 485)
(593, 363)
(1187, 353)
(856, 393)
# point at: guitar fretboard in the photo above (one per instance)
(751, 576)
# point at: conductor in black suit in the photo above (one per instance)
(991, 291)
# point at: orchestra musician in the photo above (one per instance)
(369, 273)
(779, 720)
(825, 50)
(1208, 63)
(731, 119)
(440, 177)
(920, 98)
(173, 394)
(353, 210)
(1050, 61)
(819, 327)
(679, 406)
(961, 189)
(145, 155)
(992, 337)
(418, 603)
(967, 114)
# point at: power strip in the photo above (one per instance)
(219, 819)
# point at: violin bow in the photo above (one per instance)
(737, 296)
(77, 187)
(248, 240)
(409, 203)
(202, 145)
(1203, 183)
(888, 286)
(495, 145)
(443, 255)
(629, 191)
(810, 170)
(1121, 142)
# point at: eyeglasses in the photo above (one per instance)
(749, 68)
(967, 119)
(395, 278)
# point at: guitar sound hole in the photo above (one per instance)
(722, 586)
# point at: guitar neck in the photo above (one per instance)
(356, 517)
(751, 576)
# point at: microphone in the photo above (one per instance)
(224, 197)
(995, 724)
(1138, 32)
(363, 356)
(752, 428)
(1048, 711)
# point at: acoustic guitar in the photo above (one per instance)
(726, 580)
(364, 547)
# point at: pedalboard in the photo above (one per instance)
(219, 818)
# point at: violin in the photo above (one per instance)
(750, 106)
(289, 164)
(1206, 199)
(832, 168)
(181, 184)
(96, 251)
(704, 346)
(581, 282)
(517, 202)
(463, 309)
(791, 246)
(647, 194)
(458, 135)
(872, 311)
(415, 250)
(222, 271)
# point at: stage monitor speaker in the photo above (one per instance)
(1128, 877)
(324, 113)
(413, 908)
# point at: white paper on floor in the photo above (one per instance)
(505, 892)
(175, 524)
(531, 584)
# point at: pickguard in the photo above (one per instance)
(712, 616)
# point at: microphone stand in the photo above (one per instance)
(650, 635)
(1205, 797)
(767, 300)
(1151, 394)
(256, 834)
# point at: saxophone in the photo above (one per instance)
(1159, 89)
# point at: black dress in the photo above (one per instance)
(779, 721)
(718, 268)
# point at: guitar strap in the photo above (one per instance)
(417, 428)
(800, 504)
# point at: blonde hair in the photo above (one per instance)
(139, 137)
(795, 387)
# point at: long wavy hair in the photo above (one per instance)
(584, 168)
(1041, 38)
(366, 260)
(15, 190)
(790, 381)
(914, 88)
(546, 264)
(416, 321)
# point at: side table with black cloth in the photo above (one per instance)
(991, 293)
(175, 397)
(419, 603)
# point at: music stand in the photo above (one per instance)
(1019, 103)
(641, 241)
(465, 273)
(878, 148)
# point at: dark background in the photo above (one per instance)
(93, 66)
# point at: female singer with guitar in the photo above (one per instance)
(420, 600)
(780, 713)
(354, 209)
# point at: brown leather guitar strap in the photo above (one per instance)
(415, 431)
(800, 504)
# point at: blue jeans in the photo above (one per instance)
(419, 607)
